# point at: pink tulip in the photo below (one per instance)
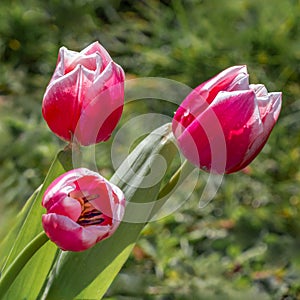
(83, 208)
(225, 122)
(85, 96)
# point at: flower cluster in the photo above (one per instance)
(83, 104)
(220, 127)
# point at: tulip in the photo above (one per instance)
(223, 124)
(83, 208)
(85, 96)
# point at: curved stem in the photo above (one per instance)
(179, 176)
(183, 171)
(69, 155)
(21, 260)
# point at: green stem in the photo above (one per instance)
(70, 155)
(183, 171)
(21, 260)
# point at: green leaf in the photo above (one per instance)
(8, 243)
(88, 274)
(28, 226)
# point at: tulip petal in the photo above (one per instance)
(232, 117)
(63, 186)
(241, 124)
(270, 108)
(97, 120)
(90, 62)
(97, 48)
(233, 78)
(259, 89)
(70, 236)
(105, 198)
(269, 119)
(64, 56)
(68, 207)
(98, 189)
(61, 108)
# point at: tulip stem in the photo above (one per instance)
(183, 171)
(69, 156)
(179, 176)
(8, 277)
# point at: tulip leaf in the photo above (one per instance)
(28, 225)
(88, 274)
(8, 243)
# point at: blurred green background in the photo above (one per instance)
(243, 244)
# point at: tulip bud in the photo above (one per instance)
(83, 208)
(85, 96)
(224, 123)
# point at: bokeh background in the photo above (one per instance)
(243, 244)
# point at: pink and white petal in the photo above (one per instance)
(93, 234)
(252, 152)
(63, 186)
(68, 207)
(112, 200)
(230, 72)
(223, 82)
(236, 109)
(193, 105)
(194, 144)
(104, 203)
(240, 120)
(65, 56)
(91, 186)
(70, 236)
(49, 199)
(67, 234)
(234, 78)
(117, 77)
(96, 47)
(270, 108)
(111, 78)
(269, 119)
(90, 62)
(118, 213)
(98, 85)
(60, 99)
(87, 78)
(113, 94)
(118, 195)
(259, 89)
(103, 108)
(240, 82)
(228, 126)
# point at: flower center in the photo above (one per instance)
(89, 214)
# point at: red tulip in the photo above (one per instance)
(225, 122)
(83, 208)
(84, 99)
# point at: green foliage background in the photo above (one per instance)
(245, 243)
